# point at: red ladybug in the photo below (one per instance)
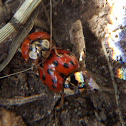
(64, 62)
(51, 78)
(34, 45)
(56, 68)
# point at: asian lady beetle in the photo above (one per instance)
(35, 46)
(56, 68)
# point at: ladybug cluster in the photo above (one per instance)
(58, 71)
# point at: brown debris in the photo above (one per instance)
(77, 38)
(8, 118)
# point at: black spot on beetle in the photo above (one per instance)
(41, 65)
(71, 62)
(54, 80)
(55, 63)
(62, 75)
(50, 71)
(73, 80)
(39, 45)
(50, 56)
(54, 86)
(65, 65)
(30, 48)
(44, 77)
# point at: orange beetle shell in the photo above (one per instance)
(27, 42)
(56, 68)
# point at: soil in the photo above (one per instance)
(92, 107)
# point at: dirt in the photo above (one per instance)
(92, 107)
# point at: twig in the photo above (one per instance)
(20, 101)
(21, 27)
(16, 73)
(46, 12)
(50, 23)
(49, 18)
(18, 20)
(114, 86)
(19, 38)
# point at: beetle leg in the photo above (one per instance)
(62, 100)
(55, 49)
